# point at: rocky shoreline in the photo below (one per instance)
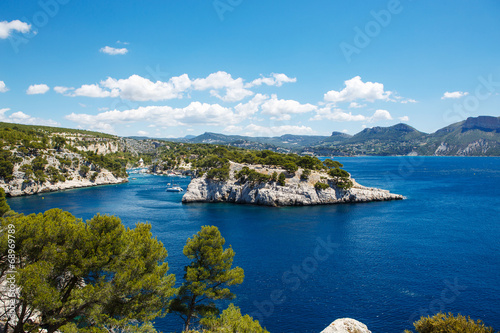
(18, 187)
(296, 192)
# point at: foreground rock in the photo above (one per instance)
(296, 192)
(346, 325)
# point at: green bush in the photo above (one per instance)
(305, 174)
(332, 164)
(221, 173)
(448, 323)
(290, 167)
(84, 170)
(281, 179)
(274, 176)
(250, 175)
(336, 172)
(321, 186)
(94, 176)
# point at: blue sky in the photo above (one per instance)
(174, 68)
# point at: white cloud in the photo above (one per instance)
(248, 109)
(355, 105)
(276, 79)
(409, 100)
(93, 90)
(256, 130)
(455, 94)
(113, 51)
(3, 87)
(23, 118)
(195, 113)
(235, 90)
(404, 118)
(220, 84)
(345, 131)
(137, 88)
(7, 27)
(233, 129)
(282, 109)
(142, 133)
(337, 115)
(356, 89)
(381, 115)
(62, 90)
(37, 89)
(120, 42)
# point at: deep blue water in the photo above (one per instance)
(385, 263)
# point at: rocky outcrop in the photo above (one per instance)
(346, 325)
(26, 184)
(296, 192)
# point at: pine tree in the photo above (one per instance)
(207, 277)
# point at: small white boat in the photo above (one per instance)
(175, 189)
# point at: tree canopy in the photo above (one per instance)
(207, 277)
(85, 276)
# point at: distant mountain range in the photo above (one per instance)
(475, 136)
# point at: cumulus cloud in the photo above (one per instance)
(3, 87)
(356, 89)
(62, 90)
(195, 113)
(142, 133)
(37, 89)
(232, 129)
(281, 109)
(248, 109)
(6, 28)
(454, 94)
(257, 130)
(328, 113)
(409, 100)
(113, 51)
(23, 118)
(381, 115)
(136, 88)
(235, 90)
(276, 79)
(336, 114)
(404, 118)
(355, 105)
(93, 90)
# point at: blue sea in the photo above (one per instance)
(382, 263)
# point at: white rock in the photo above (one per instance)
(346, 325)
(295, 193)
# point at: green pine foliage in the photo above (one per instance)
(250, 175)
(321, 186)
(89, 276)
(207, 278)
(305, 174)
(282, 179)
(449, 323)
(231, 320)
(4, 206)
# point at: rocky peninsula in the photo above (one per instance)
(295, 192)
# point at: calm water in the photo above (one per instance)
(384, 263)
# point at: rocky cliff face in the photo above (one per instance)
(296, 192)
(71, 176)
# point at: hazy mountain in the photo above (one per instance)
(475, 136)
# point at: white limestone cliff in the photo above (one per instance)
(296, 192)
